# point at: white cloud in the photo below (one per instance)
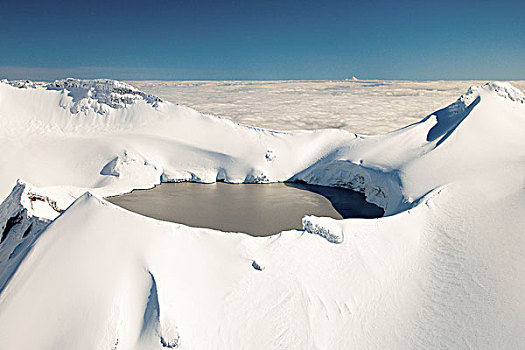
(365, 107)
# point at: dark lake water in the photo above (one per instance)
(256, 209)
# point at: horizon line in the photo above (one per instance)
(49, 74)
(261, 80)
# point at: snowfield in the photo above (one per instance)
(443, 269)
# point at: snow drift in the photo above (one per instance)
(442, 269)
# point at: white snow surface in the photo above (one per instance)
(443, 269)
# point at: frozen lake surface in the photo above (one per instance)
(257, 209)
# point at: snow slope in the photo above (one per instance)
(442, 269)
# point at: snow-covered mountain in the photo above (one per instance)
(442, 269)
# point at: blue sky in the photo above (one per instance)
(262, 39)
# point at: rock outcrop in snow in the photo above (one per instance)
(93, 93)
(96, 95)
(23, 215)
(23, 84)
(324, 227)
(502, 89)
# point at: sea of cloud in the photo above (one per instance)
(363, 107)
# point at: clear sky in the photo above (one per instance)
(262, 39)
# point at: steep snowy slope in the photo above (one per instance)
(443, 269)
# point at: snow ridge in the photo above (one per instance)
(505, 90)
(20, 225)
(23, 84)
(113, 93)
(96, 95)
